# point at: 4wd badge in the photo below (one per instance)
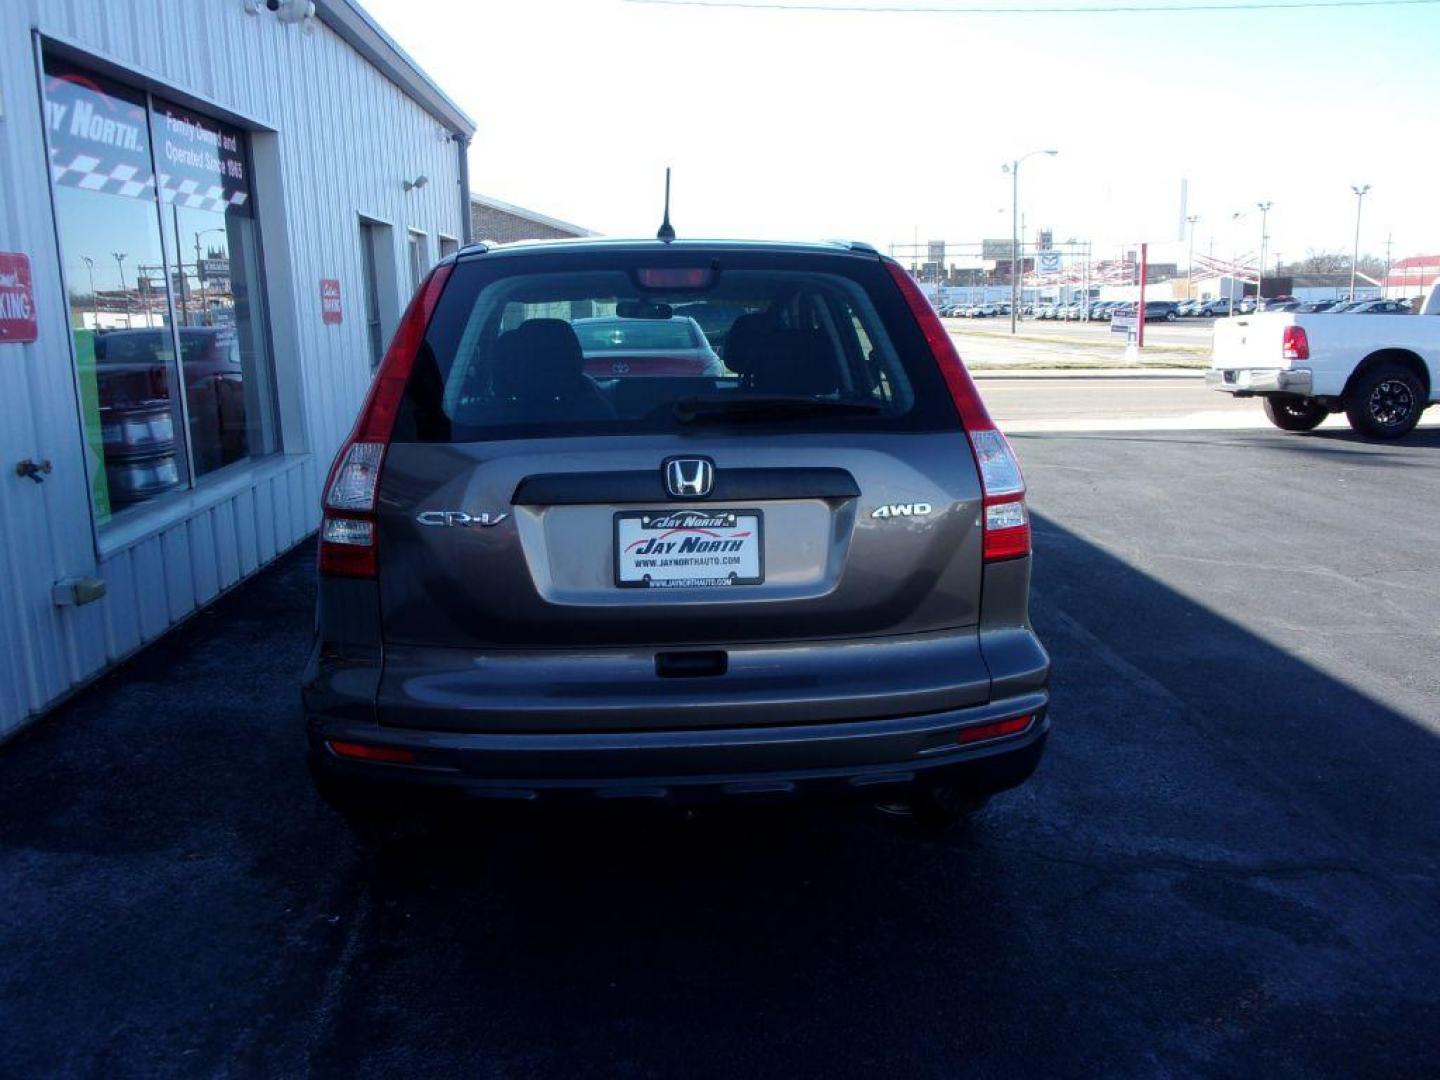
(898, 510)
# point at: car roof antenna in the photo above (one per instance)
(667, 231)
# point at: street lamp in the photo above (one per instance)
(1190, 265)
(1264, 209)
(1360, 190)
(94, 300)
(1013, 168)
(120, 262)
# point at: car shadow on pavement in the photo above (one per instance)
(1223, 865)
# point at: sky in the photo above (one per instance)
(886, 126)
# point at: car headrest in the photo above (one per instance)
(539, 358)
(799, 362)
(743, 342)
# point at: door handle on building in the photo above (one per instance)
(35, 470)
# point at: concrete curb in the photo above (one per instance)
(1086, 373)
(1088, 343)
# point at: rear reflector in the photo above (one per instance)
(361, 752)
(1006, 522)
(997, 730)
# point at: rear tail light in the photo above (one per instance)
(347, 533)
(1006, 519)
(1296, 344)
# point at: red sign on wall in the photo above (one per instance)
(330, 301)
(17, 299)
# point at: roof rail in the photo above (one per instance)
(479, 247)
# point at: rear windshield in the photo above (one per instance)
(606, 344)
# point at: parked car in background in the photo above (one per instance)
(641, 347)
(1314, 307)
(1382, 371)
(1280, 303)
(538, 585)
(1161, 311)
(1247, 306)
(1219, 307)
(1380, 307)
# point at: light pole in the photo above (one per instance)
(1360, 190)
(1190, 265)
(120, 262)
(94, 300)
(1234, 267)
(1264, 209)
(1013, 168)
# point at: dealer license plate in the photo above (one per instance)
(678, 549)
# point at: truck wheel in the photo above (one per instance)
(1385, 402)
(1294, 414)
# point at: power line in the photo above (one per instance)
(1089, 9)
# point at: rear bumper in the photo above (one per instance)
(1244, 382)
(854, 757)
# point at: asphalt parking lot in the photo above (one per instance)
(1229, 862)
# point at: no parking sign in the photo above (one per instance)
(17, 299)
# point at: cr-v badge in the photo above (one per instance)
(458, 517)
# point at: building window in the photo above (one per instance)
(448, 246)
(159, 243)
(419, 259)
(374, 242)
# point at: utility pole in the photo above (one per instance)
(1264, 209)
(1389, 261)
(1360, 190)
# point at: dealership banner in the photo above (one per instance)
(100, 141)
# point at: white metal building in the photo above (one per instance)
(211, 217)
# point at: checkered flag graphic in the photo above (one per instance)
(189, 193)
(92, 174)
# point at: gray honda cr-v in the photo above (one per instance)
(559, 565)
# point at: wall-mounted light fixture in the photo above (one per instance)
(418, 182)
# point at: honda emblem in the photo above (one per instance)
(689, 478)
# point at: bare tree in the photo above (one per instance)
(1333, 262)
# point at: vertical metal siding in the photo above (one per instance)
(348, 138)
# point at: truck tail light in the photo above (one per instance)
(1296, 344)
(1006, 519)
(347, 533)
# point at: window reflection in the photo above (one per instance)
(210, 233)
(110, 241)
(155, 214)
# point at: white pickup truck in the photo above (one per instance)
(1382, 371)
